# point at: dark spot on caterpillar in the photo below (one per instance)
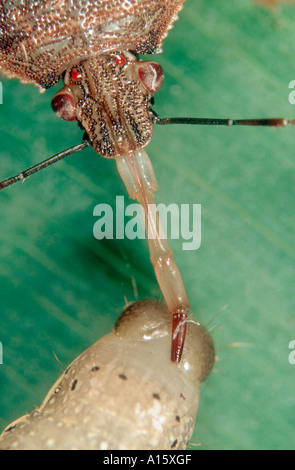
(67, 370)
(122, 376)
(173, 444)
(182, 396)
(10, 428)
(156, 396)
(94, 369)
(74, 385)
(177, 418)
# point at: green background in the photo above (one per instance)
(61, 289)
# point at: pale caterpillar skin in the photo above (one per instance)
(122, 393)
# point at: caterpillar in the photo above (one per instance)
(123, 393)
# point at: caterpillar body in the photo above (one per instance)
(123, 393)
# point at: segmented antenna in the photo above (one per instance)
(40, 166)
(274, 122)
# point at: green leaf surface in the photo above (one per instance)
(61, 289)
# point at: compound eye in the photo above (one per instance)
(63, 105)
(151, 75)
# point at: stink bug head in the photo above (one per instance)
(109, 95)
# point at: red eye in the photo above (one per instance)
(151, 74)
(63, 105)
(76, 75)
(120, 60)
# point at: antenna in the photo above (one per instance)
(40, 166)
(274, 122)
